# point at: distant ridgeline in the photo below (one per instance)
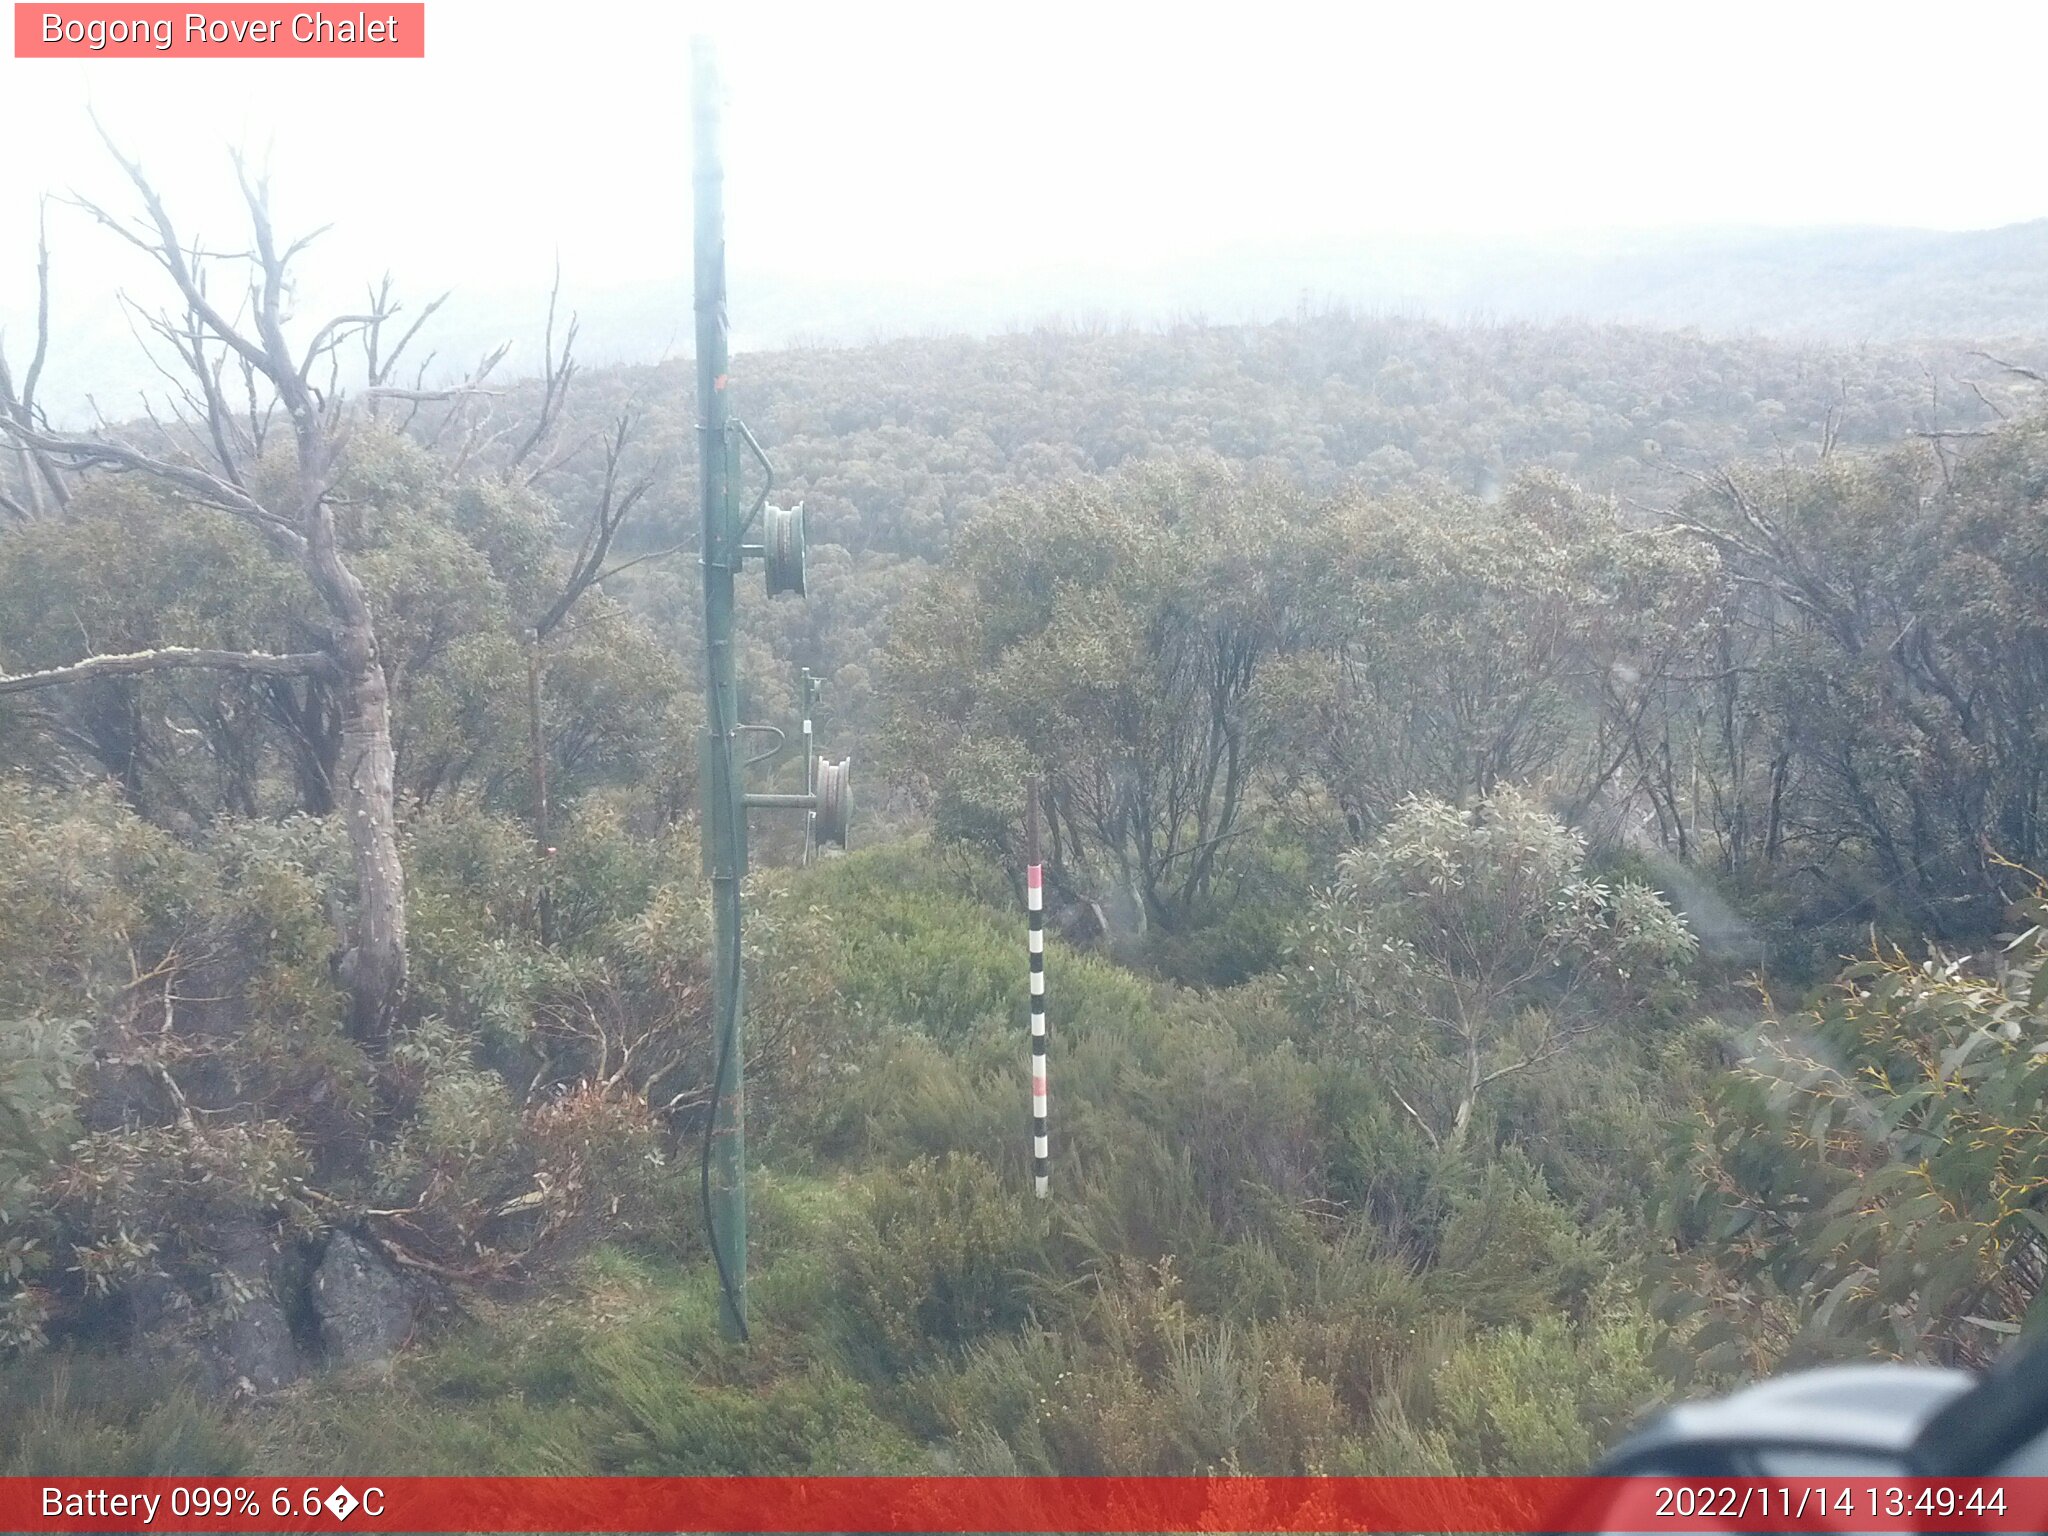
(1838, 285)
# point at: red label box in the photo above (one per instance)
(1081, 1506)
(376, 30)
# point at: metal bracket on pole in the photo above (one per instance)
(827, 793)
(768, 483)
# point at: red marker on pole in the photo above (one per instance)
(1034, 906)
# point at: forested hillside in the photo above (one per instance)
(1470, 756)
(1844, 286)
(894, 448)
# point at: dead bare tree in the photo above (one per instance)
(557, 373)
(615, 502)
(38, 478)
(205, 455)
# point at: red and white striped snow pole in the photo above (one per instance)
(1034, 906)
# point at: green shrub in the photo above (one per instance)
(96, 1415)
(1545, 1400)
(1508, 1252)
(937, 1257)
(815, 1422)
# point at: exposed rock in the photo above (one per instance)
(365, 1310)
(156, 1308)
(1081, 923)
(250, 1349)
(120, 1093)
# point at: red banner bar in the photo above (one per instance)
(373, 30)
(916, 1505)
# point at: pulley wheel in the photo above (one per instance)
(782, 542)
(835, 801)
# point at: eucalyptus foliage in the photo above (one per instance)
(1466, 946)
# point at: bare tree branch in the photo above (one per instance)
(378, 363)
(332, 335)
(626, 565)
(171, 659)
(1989, 404)
(170, 253)
(555, 376)
(2012, 368)
(613, 508)
(34, 375)
(86, 452)
(19, 406)
(431, 396)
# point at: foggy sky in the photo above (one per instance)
(963, 143)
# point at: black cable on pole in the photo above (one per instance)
(727, 1028)
(725, 1284)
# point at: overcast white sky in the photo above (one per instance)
(969, 140)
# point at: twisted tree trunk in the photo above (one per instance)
(375, 967)
(299, 526)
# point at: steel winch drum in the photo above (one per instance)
(835, 801)
(782, 544)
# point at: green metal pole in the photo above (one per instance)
(725, 828)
